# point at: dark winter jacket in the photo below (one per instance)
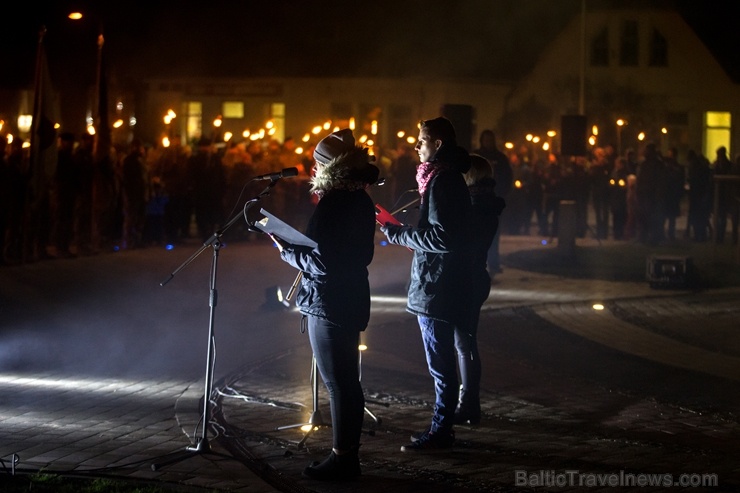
(441, 268)
(334, 285)
(487, 208)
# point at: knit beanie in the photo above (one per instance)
(334, 145)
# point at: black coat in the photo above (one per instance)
(335, 284)
(442, 265)
(487, 208)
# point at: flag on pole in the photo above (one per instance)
(102, 125)
(103, 230)
(43, 158)
(42, 161)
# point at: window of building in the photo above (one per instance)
(194, 119)
(277, 116)
(600, 49)
(658, 50)
(232, 109)
(717, 131)
(629, 44)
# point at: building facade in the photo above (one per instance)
(379, 109)
(644, 67)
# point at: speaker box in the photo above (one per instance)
(670, 271)
(573, 135)
(462, 117)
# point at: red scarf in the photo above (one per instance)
(424, 174)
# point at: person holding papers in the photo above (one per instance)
(439, 287)
(334, 292)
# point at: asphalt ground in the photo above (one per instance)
(574, 399)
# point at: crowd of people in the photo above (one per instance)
(137, 196)
(625, 197)
(143, 196)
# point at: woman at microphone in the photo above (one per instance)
(334, 291)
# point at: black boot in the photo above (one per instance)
(468, 402)
(468, 408)
(335, 467)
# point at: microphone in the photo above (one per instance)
(285, 173)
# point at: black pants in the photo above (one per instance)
(468, 360)
(336, 351)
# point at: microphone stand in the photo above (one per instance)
(202, 444)
(405, 206)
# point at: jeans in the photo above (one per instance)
(337, 358)
(439, 346)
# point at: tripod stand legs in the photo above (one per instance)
(316, 421)
(203, 447)
(372, 415)
(362, 347)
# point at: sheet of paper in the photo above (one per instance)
(273, 225)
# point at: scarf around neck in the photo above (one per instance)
(424, 174)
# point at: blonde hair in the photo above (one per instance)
(479, 168)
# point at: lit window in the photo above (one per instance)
(277, 111)
(717, 131)
(194, 119)
(232, 109)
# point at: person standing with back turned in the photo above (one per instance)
(334, 293)
(440, 270)
(487, 208)
(504, 176)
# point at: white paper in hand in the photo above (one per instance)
(272, 225)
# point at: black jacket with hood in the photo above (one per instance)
(335, 285)
(441, 268)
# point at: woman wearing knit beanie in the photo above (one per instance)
(334, 294)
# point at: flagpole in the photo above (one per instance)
(42, 162)
(37, 101)
(102, 132)
(103, 179)
(28, 225)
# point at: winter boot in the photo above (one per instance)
(335, 467)
(468, 407)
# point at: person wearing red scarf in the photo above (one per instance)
(441, 269)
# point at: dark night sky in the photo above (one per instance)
(480, 38)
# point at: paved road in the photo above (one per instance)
(101, 372)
